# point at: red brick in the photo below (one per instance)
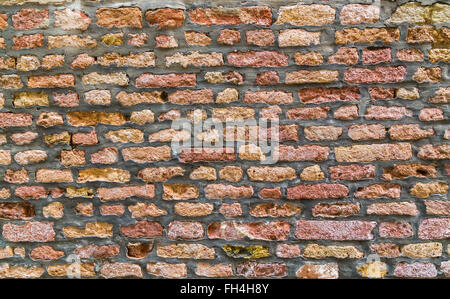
(376, 55)
(28, 41)
(317, 191)
(167, 80)
(119, 17)
(165, 17)
(327, 95)
(415, 270)
(269, 231)
(352, 172)
(382, 74)
(257, 59)
(434, 228)
(185, 230)
(143, 229)
(395, 230)
(334, 230)
(257, 15)
(30, 18)
(29, 232)
(261, 270)
(303, 153)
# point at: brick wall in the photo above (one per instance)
(91, 183)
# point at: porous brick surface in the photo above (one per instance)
(90, 96)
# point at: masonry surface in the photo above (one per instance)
(90, 184)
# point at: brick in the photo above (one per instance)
(185, 230)
(379, 190)
(352, 14)
(217, 270)
(195, 59)
(437, 207)
(434, 228)
(231, 173)
(422, 250)
(119, 17)
(344, 55)
(193, 251)
(308, 113)
(119, 270)
(275, 230)
(29, 232)
(388, 250)
(348, 112)
(121, 193)
(306, 15)
(68, 19)
(10, 82)
(16, 176)
(401, 171)
(434, 152)
(220, 191)
(165, 17)
(70, 41)
(103, 175)
(395, 230)
(30, 157)
(30, 18)
(335, 210)
(352, 172)
(310, 58)
(16, 210)
(229, 37)
(428, 75)
(366, 35)
(325, 95)
(424, 190)
(410, 55)
(139, 250)
(257, 59)
(311, 76)
(303, 153)
(142, 229)
(393, 208)
(274, 210)
(179, 192)
(317, 191)
(415, 270)
(317, 133)
(143, 59)
(312, 173)
(60, 80)
(142, 209)
(92, 118)
(298, 37)
(27, 63)
(230, 77)
(18, 271)
(45, 252)
(376, 75)
(266, 193)
(334, 230)
(257, 15)
(187, 209)
(231, 210)
(341, 252)
(189, 155)
(167, 270)
(373, 152)
(187, 97)
(318, 271)
(260, 37)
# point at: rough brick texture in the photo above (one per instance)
(93, 162)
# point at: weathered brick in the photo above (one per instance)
(258, 15)
(334, 230)
(335, 210)
(119, 17)
(373, 152)
(317, 191)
